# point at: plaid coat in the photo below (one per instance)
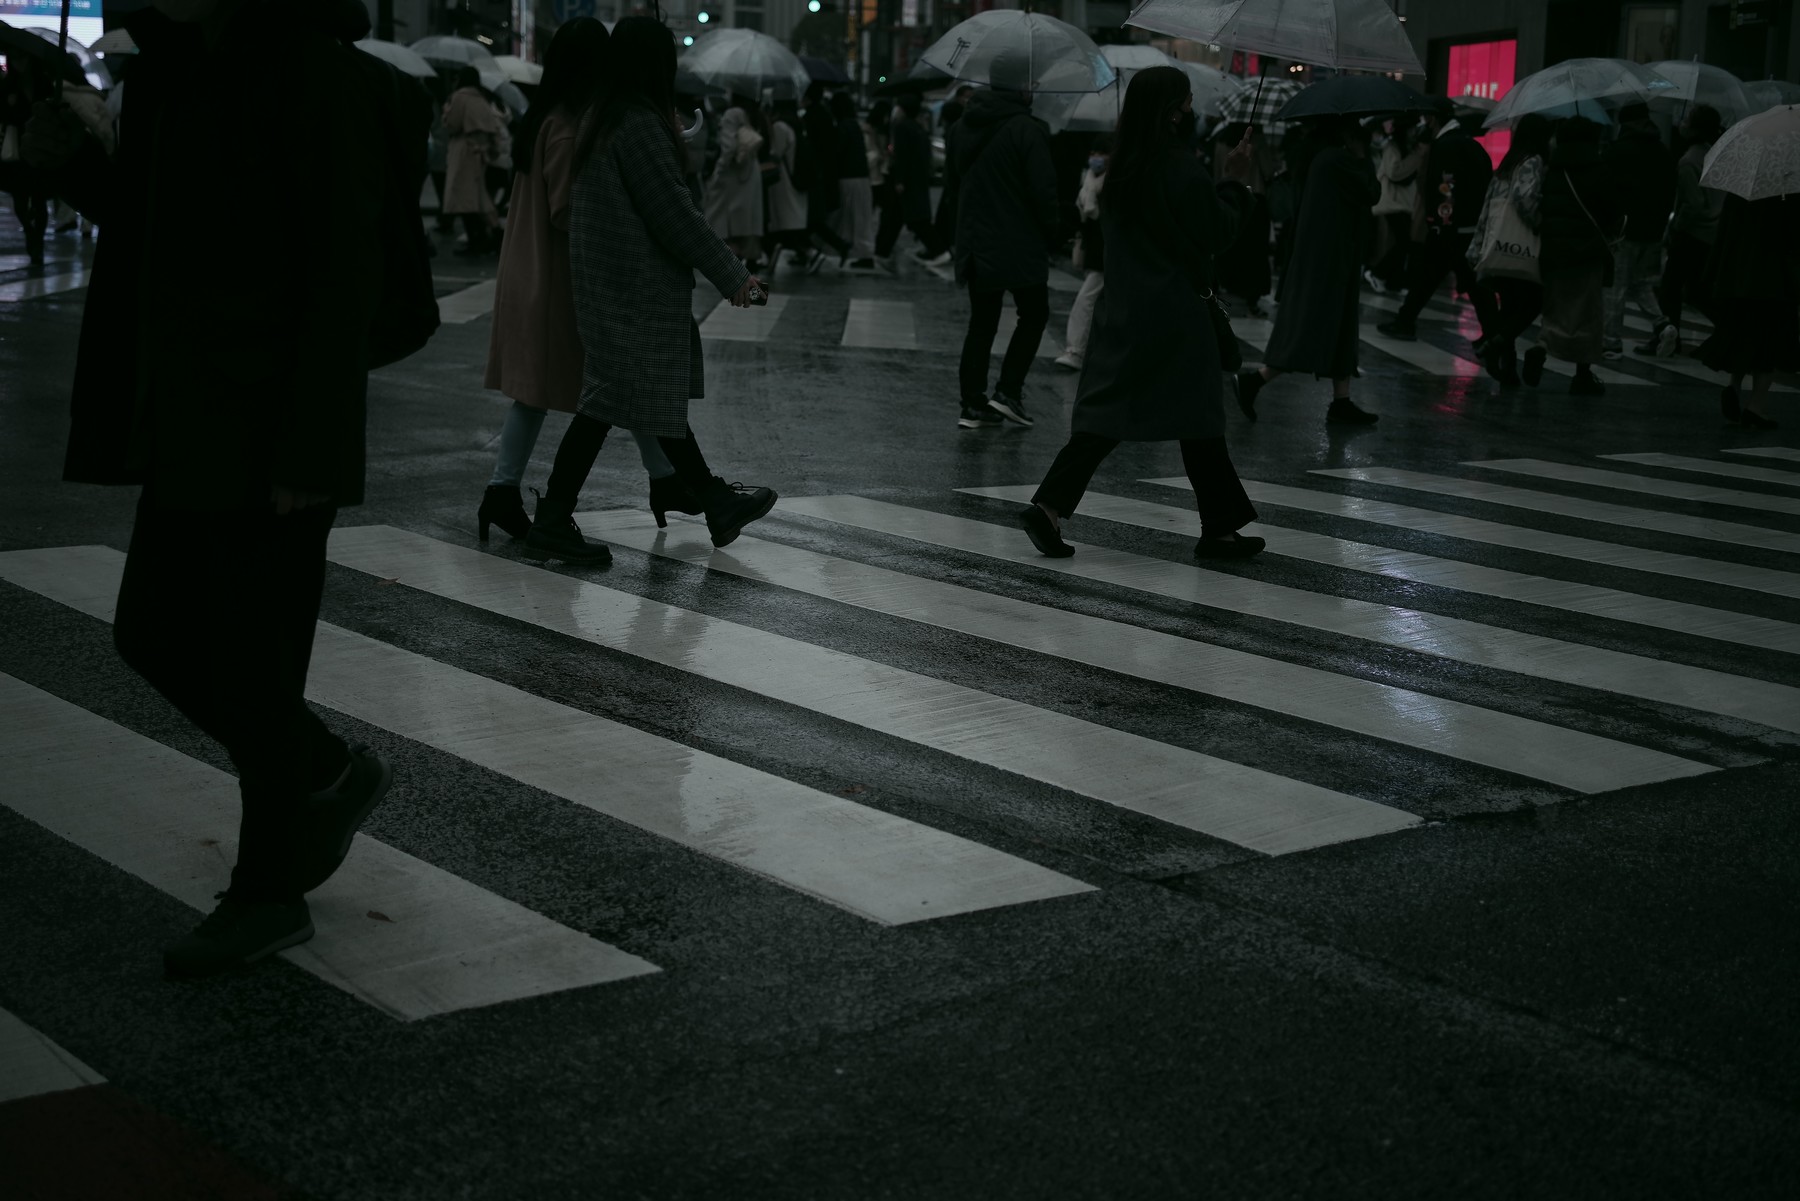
(635, 241)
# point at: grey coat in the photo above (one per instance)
(635, 241)
(1152, 371)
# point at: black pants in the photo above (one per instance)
(1224, 508)
(1390, 269)
(984, 322)
(821, 203)
(445, 222)
(1684, 277)
(581, 444)
(1521, 301)
(227, 636)
(1440, 254)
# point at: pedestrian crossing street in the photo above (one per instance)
(1681, 664)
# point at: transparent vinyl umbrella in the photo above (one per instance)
(1702, 83)
(518, 70)
(1362, 35)
(446, 49)
(745, 63)
(1022, 52)
(1098, 112)
(1578, 87)
(1771, 93)
(397, 55)
(93, 68)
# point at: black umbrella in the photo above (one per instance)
(1353, 96)
(24, 43)
(820, 71)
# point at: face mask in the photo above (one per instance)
(1097, 165)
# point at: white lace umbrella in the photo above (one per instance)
(1099, 111)
(518, 70)
(1346, 34)
(1702, 83)
(399, 56)
(746, 63)
(1578, 87)
(453, 50)
(1759, 157)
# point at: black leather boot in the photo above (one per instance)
(554, 535)
(502, 505)
(670, 495)
(731, 507)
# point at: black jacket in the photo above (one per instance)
(1457, 171)
(1581, 212)
(852, 152)
(1643, 170)
(217, 359)
(821, 151)
(1004, 188)
(911, 167)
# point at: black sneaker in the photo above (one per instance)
(731, 507)
(1043, 532)
(1532, 372)
(1585, 384)
(1010, 407)
(1240, 546)
(1249, 384)
(1728, 403)
(238, 933)
(1400, 331)
(1344, 411)
(979, 416)
(335, 815)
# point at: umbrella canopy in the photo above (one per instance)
(1345, 34)
(820, 71)
(1757, 158)
(508, 93)
(1021, 51)
(1099, 111)
(745, 63)
(1212, 87)
(1578, 87)
(115, 41)
(93, 70)
(1768, 93)
(460, 51)
(22, 43)
(1702, 83)
(395, 54)
(1353, 96)
(518, 70)
(1259, 102)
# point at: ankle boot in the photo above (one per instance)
(731, 507)
(554, 535)
(670, 495)
(502, 505)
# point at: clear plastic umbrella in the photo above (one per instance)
(461, 51)
(399, 56)
(518, 70)
(114, 41)
(1770, 93)
(1099, 111)
(746, 63)
(1023, 52)
(1702, 83)
(1212, 87)
(1757, 158)
(1578, 87)
(93, 69)
(1345, 34)
(508, 93)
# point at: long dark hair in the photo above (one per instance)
(640, 73)
(574, 66)
(1530, 139)
(1146, 138)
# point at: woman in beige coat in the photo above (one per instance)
(734, 194)
(474, 130)
(534, 353)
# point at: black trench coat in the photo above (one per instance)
(1152, 372)
(1316, 325)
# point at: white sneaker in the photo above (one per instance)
(1068, 359)
(1375, 285)
(942, 260)
(1668, 341)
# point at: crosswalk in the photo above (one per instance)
(1351, 637)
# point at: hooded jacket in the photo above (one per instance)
(1644, 172)
(1003, 183)
(210, 366)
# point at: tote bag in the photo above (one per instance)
(1509, 246)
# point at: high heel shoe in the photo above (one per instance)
(502, 505)
(670, 495)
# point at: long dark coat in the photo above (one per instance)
(911, 168)
(1316, 325)
(1152, 371)
(208, 368)
(635, 241)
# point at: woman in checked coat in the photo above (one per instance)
(635, 241)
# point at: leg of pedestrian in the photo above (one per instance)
(1081, 319)
(554, 534)
(978, 345)
(503, 504)
(1060, 494)
(1034, 315)
(1224, 507)
(728, 507)
(1479, 295)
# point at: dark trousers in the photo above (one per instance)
(581, 444)
(226, 636)
(445, 222)
(1440, 254)
(1684, 277)
(1224, 508)
(984, 323)
(821, 203)
(1390, 268)
(1520, 302)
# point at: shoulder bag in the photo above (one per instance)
(1509, 247)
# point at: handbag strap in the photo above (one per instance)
(1610, 243)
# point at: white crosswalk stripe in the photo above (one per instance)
(1594, 477)
(1790, 454)
(728, 323)
(43, 285)
(880, 325)
(32, 1065)
(1736, 471)
(1572, 506)
(1285, 541)
(1444, 637)
(1567, 758)
(460, 308)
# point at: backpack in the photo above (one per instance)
(406, 313)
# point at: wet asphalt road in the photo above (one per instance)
(1530, 993)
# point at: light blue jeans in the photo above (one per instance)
(520, 434)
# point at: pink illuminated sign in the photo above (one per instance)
(1484, 69)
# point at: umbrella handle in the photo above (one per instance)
(62, 53)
